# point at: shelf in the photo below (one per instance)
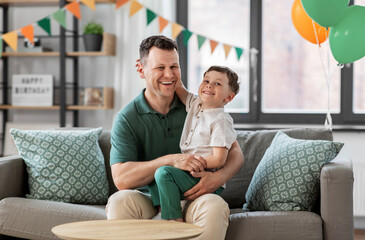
(42, 2)
(108, 99)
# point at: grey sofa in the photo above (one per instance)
(333, 219)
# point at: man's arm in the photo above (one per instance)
(211, 181)
(130, 175)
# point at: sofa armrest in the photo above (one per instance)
(337, 199)
(12, 177)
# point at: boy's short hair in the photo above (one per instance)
(158, 41)
(232, 77)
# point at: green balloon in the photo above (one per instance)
(347, 39)
(326, 13)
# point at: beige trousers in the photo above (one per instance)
(209, 211)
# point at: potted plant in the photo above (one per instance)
(93, 36)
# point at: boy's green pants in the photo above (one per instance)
(168, 189)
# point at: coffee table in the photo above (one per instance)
(126, 229)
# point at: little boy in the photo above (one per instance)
(208, 132)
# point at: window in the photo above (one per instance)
(290, 82)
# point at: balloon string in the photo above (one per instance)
(328, 74)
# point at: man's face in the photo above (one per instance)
(161, 70)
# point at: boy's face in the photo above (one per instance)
(215, 91)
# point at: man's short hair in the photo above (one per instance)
(232, 77)
(158, 41)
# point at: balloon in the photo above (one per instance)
(347, 39)
(304, 24)
(326, 13)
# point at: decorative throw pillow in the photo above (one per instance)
(63, 165)
(287, 177)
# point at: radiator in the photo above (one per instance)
(359, 189)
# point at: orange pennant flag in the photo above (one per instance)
(213, 45)
(176, 30)
(11, 39)
(120, 3)
(163, 23)
(28, 32)
(135, 7)
(89, 3)
(74, 8)
(227, 49)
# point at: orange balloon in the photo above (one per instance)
(304, 24)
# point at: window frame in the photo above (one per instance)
(344, 120)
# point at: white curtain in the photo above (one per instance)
(130, 31)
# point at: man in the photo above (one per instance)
(146, 136)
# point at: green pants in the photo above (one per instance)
(168, 189)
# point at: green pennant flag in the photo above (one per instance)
(150, 16)
(45, 24)
(239, 52)
(60, 17)
(1, 47)
(201, 40)
(186, 36)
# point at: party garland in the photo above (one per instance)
(11, 38)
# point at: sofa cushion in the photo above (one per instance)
(63, 165)
(34, 219)
(254, 145)
(287, 177)
(274, 225)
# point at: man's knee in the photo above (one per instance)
(208, 206)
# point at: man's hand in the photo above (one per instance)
(190, 163)
(208, 184)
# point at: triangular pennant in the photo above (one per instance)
(134, 7)
(213, 45)
(201, 40)
(1, 47)
(163, 23)
(120, 3)
(239, 52)
(74, 8)
(227, 49)
(45, 24)
(11, 39)
(176, 30)
(60, 17)
(89, 3)
(28, 32)
(186, 36)
(150, 16)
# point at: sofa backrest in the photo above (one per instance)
(253, 145)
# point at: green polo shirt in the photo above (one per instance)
(140, 133)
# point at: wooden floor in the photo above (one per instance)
(359, 234)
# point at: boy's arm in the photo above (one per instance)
(182, 92)
(218, 158)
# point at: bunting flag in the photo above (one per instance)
(60, 17)
(89, 3)
(11, 39)
(227, 49)
(45, 24)
(176, 30)
(186, 36)
(239, 52)
(150, 16)
(74, 8)
(201, 40)
(213, 45)
(28, 32)
(162, 23)
(1, 47)
(120, 3)
(134, 8)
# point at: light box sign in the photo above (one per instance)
(32, 90)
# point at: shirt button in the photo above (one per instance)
(168, 129)
(186, 143)
(191, 130)
(163, 117)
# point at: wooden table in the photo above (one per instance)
(126, 229)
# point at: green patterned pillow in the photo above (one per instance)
(287, 177)
(63, 165)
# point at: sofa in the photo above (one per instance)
(331, 219)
